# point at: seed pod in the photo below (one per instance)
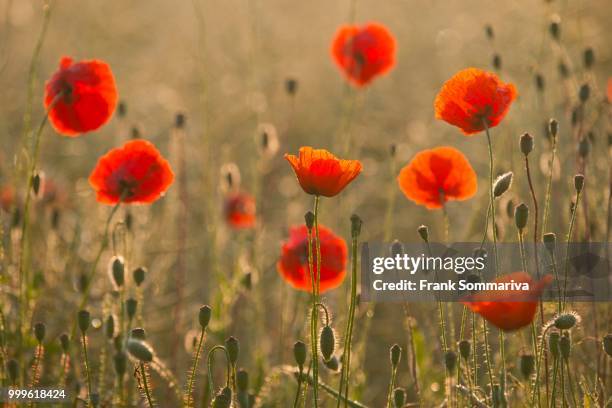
(584, 93)
(12, 367)
(424, 233)
(583, 147)
(553, 127)
(109, 326)
(555, 27)
(179, 120)
(36, 182)
(565, 321)
(465, 349)
(121, 109)
(497, 61)
(204, 316)
(526, 143)
(502, 184)
(395, 354)
(578, 182)
(489, 31)
(450, 360)
(140, 350)
(131, 305)
(139, 275)
(399, 397)
(549, 241)
(332, 363)
(521, 215)
(118, 271)
(65, 342)
(299, 353)
(607, 344)
(138, 333)
(120, 361)
(588, 57)
(565, 345)
(553, 343)
(291, 86)
(563, 70)
(233, 349)
(539, 80)
(129, 220)
(247, 280)
(327, 342)
(242, 380)
(527, 365)
(83, 318)
(355, 225)
(39, 331)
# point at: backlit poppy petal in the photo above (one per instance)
(473, 97)
(134, 173)
(435, 176)
(363, 53)
(80, 96)
(239, 210)
(293, 264)
(320, 173)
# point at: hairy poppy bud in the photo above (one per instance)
(355, 225)
(109, 326)
(527, 365)
(120, 361)
(179, 120)
(333, 364)
(118, 271)
(395, 353)
(399, 397)
(607, 344)
(83, 319)
(242, 380)
(502, 184)
(36, 182)
(588, 58)
(424, 233)
(140, 350)
(521, 215)
(584, 93)
(327, 342)
(555, 27)
(497, 61)
(204, 316)
(553, 343)
(578, 182)
(12, 367)
(138, 333)
(465, 349)
(65, 342)
(526, 143)
(450, 360)
(566, 321)
(299, 353)
(549, 241)
(139, 275)
(39, 331)
(291, 86)
(565, 345)
(539, 80)
(553, 127)
(309, 219)
(131, 305)
(233, 349)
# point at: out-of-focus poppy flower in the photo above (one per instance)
(321, 173)
(509, 310)
(134, 173)
(473, 97)
(80, 96)
(436, 176)
(7, 197)
(240, 210)
(609, 90)
(293, 264)
(363, 53)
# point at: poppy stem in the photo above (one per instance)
(491, 196)
(145, 384)
(189, 402)
(569, 238)
(314, 318)
(549, 185)
(87, 371)
(209, 360)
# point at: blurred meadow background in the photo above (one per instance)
(235, 70)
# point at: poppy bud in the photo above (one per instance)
(509, 208)
(465, 349)
(39, 331)
(553, 343)
(450, 360)
(299, 353)
(242, 380)
(588, 58)
(396, 248)
(83, 319)
(395, 354)
(140, 350)
(131, 305)
(563, 70)
(233, 349)
(138, 333)
(607, 344)
(578, 182)
(327, 342)
(489, 31)
(399, 397)
(333, 364)
(584, 93)
(549, 241)
(566, 321)
(521, 215)
(109, 327)
(502, 184)
(527, 365)
(565, 345)
(179, 120)
(555, 27)
(247, 280)
(12, 367)
(355, 225)
(129, 220)
(65, 342)
(118, 271)
(121, 109)
(583, 147)
(497, 61)
(36, 181)
(553, 127)
(309, 219)
(526, 143)
(135, 132)
(539, 80)
(424, 233)
(120, 361)
(204, 316)
(139, 275)
(291, 86)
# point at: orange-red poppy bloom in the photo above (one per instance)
(473, 98)
(133, 173)
(7, 197)
(509, 309)
(293, 264)
(363, 53)
(321, 173)
(609, 90)
(80, 96)
(435, 176)
(239, 210)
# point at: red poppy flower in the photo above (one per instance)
(609, 90)
(134, 173)
(363, 53)
(321, 173)
(240, 210)
(436, 176)
(80, 97)
(473, 97)
(7, 197)
(509, 309)
(293, 264)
